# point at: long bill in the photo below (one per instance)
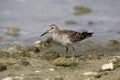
(44, 33)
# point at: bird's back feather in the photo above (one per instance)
(76, 36)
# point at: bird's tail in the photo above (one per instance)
(86, 34)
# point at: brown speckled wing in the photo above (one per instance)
(76, 36)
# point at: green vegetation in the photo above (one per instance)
(13, 31)
(81, 10)
(70, 22)
(51, 55)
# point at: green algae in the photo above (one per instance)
(13, 31)
(81, 10)
(50, 55)
(70, 22)
(113, 42)
(62, 61)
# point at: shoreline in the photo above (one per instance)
(41, 61)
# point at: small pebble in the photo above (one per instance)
(108, 66)
(113, 60)
(58, 78)
(22, 74)
(18, 78)
(38, 71)
(116, 57)
(8, 78)
(51, 69)
(38, 42)
(90, 73)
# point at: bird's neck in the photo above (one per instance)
(56, 31)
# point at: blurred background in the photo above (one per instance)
(23, 21)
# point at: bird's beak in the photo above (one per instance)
(44, 33)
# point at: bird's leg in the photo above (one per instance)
(66, 51)
(73, 51)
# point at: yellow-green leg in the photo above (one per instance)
(66, 51)
(73, 55)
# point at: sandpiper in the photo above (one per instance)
(67, 37)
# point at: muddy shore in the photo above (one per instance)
(45, 61)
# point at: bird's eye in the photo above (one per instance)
(51, 27)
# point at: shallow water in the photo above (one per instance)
(34, 16)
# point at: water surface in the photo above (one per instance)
(34, 16)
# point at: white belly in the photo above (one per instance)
(62, 39)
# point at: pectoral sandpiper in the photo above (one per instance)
(67, 37)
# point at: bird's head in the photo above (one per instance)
(52, 28)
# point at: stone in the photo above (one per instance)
(114, 60)
(108, 66)
(116, 57)
(18, 78)
(13, 31)
(38, 42)
(44, 43)
(62, 61)
(50, 55)
(15, 48)
(58, 78)
(90, 73)
(8, 78)
(95, 74)
(51, 69)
